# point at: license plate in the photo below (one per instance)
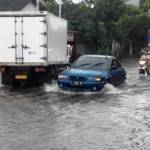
(76, 83)
(21, 77)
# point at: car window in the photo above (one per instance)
(115, 63)
(91, 63)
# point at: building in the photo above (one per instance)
(21, 5)
(78, 47)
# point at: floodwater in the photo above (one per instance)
(47, 118)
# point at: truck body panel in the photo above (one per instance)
(33, 47)
(29, 38)
(7, 36)
(33, 39)
(57, 32)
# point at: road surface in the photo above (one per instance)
(47, 118)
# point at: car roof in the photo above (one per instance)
(100, 56)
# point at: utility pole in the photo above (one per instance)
(60, 4)
(37, 5)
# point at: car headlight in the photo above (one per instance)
(62, 76)
(94, 78)
(144, 67)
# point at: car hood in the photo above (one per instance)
(88, 73)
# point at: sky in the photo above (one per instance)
(135, 2)
(76, 1)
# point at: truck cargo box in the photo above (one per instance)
(32, 38)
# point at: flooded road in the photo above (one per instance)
(46, 118)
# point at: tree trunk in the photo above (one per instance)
(130, 49)
(115, 48)
(118, 50)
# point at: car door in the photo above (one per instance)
(117, 72)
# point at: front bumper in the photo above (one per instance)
(82, 86)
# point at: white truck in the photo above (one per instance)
(32, 46)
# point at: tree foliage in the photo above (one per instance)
(133, 30)
(104, 21)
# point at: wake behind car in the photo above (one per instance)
(91, 73)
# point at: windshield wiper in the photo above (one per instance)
(84, 65)
(98, 64)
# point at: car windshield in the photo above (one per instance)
(91, 63)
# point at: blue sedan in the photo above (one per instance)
(91, 73)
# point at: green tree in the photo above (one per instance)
(109, 12)
(52, 6)
(146, 5)
(101, 22)
(133, 31)
(132, 10)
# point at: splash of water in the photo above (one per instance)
(110, 89)
(50, 88)
(55, 88)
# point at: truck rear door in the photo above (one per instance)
(7, 39)
(23, 40)
(34, 39)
